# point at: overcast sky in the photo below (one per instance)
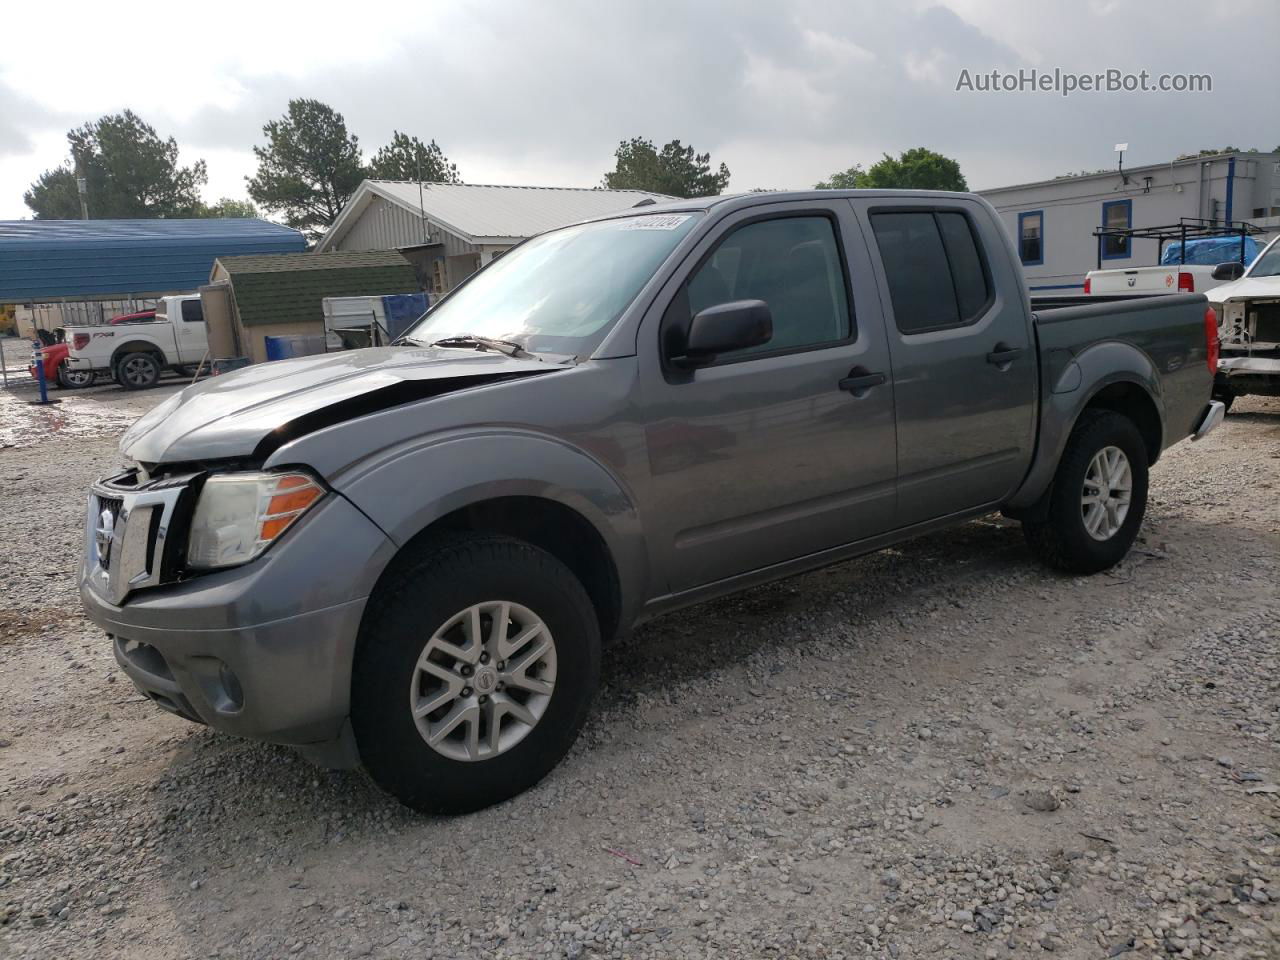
(541, 92)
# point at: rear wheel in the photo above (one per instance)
(70, 379)
(1098, 497)
(137, 371)
(476, 664)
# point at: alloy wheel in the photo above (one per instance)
(1108, 488)
(483, 680)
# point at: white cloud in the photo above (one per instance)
(542, 93)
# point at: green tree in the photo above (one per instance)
(309, 167)
(677, 170)
(916, 169)
(129, 171)
(231, 208)
(844, 180)
(408, 158)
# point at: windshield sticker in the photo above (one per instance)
(667, 222)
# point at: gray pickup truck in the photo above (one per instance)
(409, 557)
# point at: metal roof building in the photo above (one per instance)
(449, 230)
(52, 260)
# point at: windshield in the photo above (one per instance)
(560, 292)
(1267, 265)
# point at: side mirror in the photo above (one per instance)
(1231, 270)
(725, 327)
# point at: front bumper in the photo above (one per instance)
(262, 651)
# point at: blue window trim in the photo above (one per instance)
(1102, 241)
(1022, 216)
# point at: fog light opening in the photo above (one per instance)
(231, 687)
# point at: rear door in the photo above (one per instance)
(782, 450)
(964, 364)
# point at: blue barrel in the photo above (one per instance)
(285, 348)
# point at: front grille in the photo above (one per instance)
(127, 534)
(104, 531)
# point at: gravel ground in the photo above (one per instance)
(940, 750)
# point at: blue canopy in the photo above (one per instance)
(1210, 251)
(43, 260)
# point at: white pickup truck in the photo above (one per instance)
(1177, 272)
(135, 354)
(1248, 309)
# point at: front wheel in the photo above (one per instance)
(476, 663)
(1098, 497)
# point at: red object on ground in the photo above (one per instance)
(53, 357)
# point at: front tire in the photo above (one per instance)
(476, 664)
(137, 371)
(1098, 497)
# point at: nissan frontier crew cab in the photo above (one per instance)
(410, 557)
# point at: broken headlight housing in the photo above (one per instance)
(239, 515)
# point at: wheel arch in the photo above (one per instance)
(537, 489)
(1121, 379)
(136, 346)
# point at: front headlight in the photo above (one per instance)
(239, 515)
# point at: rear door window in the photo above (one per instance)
(934, 268)
(193, 311)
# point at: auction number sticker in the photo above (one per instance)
(666, 222)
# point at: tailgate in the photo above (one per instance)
(1137, 280)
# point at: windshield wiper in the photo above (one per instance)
(509, 347)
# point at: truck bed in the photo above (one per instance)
(1168, 331)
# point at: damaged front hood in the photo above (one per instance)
(1246, 289)
(251, 411)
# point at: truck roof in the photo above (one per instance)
(734, 200)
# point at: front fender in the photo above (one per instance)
(407, 488)
(1077, 384)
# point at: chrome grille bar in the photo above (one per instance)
(120, 554)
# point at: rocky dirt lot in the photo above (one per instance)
(940, 750)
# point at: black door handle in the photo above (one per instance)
(859, 381)
(1003, 354)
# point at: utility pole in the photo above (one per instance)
(422, 212)
(82, 187)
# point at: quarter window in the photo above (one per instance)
(934, 267)
(1031, 237)
(793, 265)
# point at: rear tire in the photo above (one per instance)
(1098, 497)
(418, 653)
(69, 379)
(137, 371)
(1226, 396)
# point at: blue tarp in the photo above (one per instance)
(401, 309)
(1210, 251)
(44, 260)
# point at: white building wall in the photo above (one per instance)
(1073, 208)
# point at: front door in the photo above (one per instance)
(780, 450)
(964, 363)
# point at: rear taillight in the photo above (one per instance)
(1186, 282)
(1211, 339)
(79, 341)
(1088, 285)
